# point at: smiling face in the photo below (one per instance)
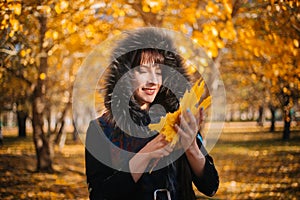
(147, 78)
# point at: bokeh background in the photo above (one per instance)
(253, 43)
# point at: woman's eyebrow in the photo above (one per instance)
(145, 65)
(156, 65)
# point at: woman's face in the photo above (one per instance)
(147, 82)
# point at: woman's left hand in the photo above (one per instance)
(188, 128)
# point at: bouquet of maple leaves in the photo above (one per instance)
(191, 100)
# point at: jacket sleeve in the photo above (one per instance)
(103, 181)
(208, 183)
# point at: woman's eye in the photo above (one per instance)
(158, 72)
(142, 71)
(158, 69)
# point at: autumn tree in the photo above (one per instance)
(286, 62)
(267, 52)
(53, 33)
(42, 46)
(44, 42)
(14, 86)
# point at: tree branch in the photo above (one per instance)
(19, 76)
(148, 18)
(9, 52)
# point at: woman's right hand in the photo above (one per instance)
(154, 149)
(157, 148)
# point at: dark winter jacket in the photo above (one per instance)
(107, 166)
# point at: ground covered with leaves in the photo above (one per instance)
(251, 165)
(19, 179)
(258, 165)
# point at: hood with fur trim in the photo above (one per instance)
(121, 108)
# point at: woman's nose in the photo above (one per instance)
(153, 77)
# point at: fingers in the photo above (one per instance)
(187, 129)
(162, 152)
(201, 113)
(169, 148)
(188, 122)
(186, 138)
(159, 141)
(201, 117)
(180, 131)
(158, 147)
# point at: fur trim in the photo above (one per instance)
(123, 60)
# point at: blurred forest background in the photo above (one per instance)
(255, 44)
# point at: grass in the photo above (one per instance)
(251, 165)
(258, 165)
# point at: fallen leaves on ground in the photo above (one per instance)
(19, 180)
(257, 165)
(251, 165)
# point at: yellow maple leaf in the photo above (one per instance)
(190, 100)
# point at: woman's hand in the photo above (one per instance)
(200, 119)
(189, 126)
(187, 129)
(155, 149)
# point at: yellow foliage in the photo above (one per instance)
(190, 100)
(12, 33)
(214, 31)
(253, 76)
(64, 5)
(71, 28)
(57, 9)
(220, 44)
(15, 24)
(213, 51)
(256, 52)
(296, 43)
(48, 34)
(211, 7)
(23, 53)
(17, 8)
(295, 52)
(152, 5)
(146, 8)
(227, 7)
(42, 76)
(55, 35)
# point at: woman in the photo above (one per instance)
(150, 170)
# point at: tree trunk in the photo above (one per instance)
(61, 122)
(273, 118)
(287, 125)
(60, 132)
(260, 116)
(21, 119)
(287, 116)
(75, 133)
(43, 144)
(286, 131)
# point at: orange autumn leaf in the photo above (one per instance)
(190, 100)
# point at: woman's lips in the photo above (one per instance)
(149, 91)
